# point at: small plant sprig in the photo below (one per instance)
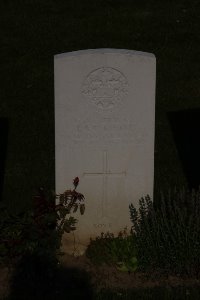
(53, 217)
(126, 252)
(69, 202)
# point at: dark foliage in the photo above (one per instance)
(168, 237)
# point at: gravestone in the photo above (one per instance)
(104, 134)
(185, 125)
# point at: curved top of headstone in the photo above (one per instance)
(104, 51)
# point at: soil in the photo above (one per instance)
(5, 275)
(108, 277)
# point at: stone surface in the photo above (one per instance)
(104, 134)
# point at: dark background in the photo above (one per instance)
(32, 32)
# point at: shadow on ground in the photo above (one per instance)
(37, 279)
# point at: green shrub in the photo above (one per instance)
(114, 251)
(168, 236)
(38, 232)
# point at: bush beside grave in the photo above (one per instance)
(167, 237)
(164, 237)
(114, 251)
(38, 232)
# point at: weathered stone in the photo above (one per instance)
(104, 134)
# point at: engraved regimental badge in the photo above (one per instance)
(105, 87)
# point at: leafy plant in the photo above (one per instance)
(11, 240)
(118, 251)
(167, 236)
(128, 266)
(69, 202)
(39, 231)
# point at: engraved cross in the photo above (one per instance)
(105, 174)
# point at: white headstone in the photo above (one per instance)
(104, 134)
